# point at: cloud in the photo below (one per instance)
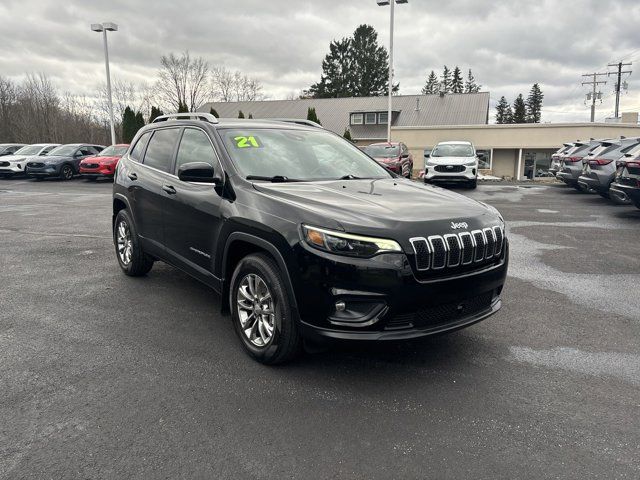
(508, 44)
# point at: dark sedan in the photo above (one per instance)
(62, 162)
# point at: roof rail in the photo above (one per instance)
(299, 121)
(207, 117)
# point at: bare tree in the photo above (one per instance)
(8, 99)
(183, 80)
(230, 86)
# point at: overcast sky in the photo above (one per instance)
(509, 44)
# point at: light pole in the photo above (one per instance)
(104, 27)
(383, 3)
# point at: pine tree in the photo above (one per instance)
(139, 121)
(519, 110)
(155, 113)
(240, 114)
(432, 86)
(356, 66)
(534, 104)
(457, 86)
(312, 115)
(470, 85)
(213, 112)
(182, 108)
(445, 82)
(347, 134)
(369, 62)
(128, 125)
(502, 111)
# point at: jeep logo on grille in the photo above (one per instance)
(456, 226)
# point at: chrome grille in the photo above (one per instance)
(457, 249)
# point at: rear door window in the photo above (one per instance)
(159, 153)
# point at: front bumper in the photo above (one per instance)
(385, 300)
(101, 172)
(468, 174)
(46, 171)
(12, 168)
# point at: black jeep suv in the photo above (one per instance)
(303, 235)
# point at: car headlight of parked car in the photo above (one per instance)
(347, 244)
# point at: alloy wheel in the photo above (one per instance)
(255, 309)
(123, 239)
(67, 173)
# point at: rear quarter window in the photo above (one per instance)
(138, 148)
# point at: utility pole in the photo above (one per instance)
(619, 83)
(594, 94)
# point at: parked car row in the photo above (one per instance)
(45, 160)
(609, 167)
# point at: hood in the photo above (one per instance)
(55, 158)
(379, 206)
(98, 159)
(450, 160)
(14, 158)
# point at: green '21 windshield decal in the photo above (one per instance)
(247, 142)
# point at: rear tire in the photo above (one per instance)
(604, 194)
(131, 258)
(258, 286)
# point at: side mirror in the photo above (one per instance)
(200, 172)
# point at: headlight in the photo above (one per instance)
(471, 164)
(348, 244)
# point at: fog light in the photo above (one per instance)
(341, 306)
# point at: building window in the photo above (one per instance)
(383, 118)
(356, 119)
(370, 118)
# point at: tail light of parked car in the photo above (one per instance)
(633, 168)
(573, 159)
(600, 161)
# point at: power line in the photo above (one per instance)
(592, 95)
(619, 82)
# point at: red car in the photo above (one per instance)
(104, 164)
(395, 156)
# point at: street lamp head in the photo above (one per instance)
(96, 27)
(111, 27)
(384, 3)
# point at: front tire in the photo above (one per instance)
(66, 172)
(261, 311)
(131, 258)
(473, 184)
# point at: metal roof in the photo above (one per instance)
(413, 111)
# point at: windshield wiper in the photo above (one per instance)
(350, 177)
(274, 179)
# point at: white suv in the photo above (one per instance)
(452, 162)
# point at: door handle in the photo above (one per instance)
(132, 176)
(169, 189)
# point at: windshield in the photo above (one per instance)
(63, 150)
(384, 151)
(453, 150)
(298, 155)
(114, 151)
(29, 150)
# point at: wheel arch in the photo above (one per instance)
(238, 246)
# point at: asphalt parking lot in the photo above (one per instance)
(105, 376)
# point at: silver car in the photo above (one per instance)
(599, 167)
(556, 158)
(571, 162)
